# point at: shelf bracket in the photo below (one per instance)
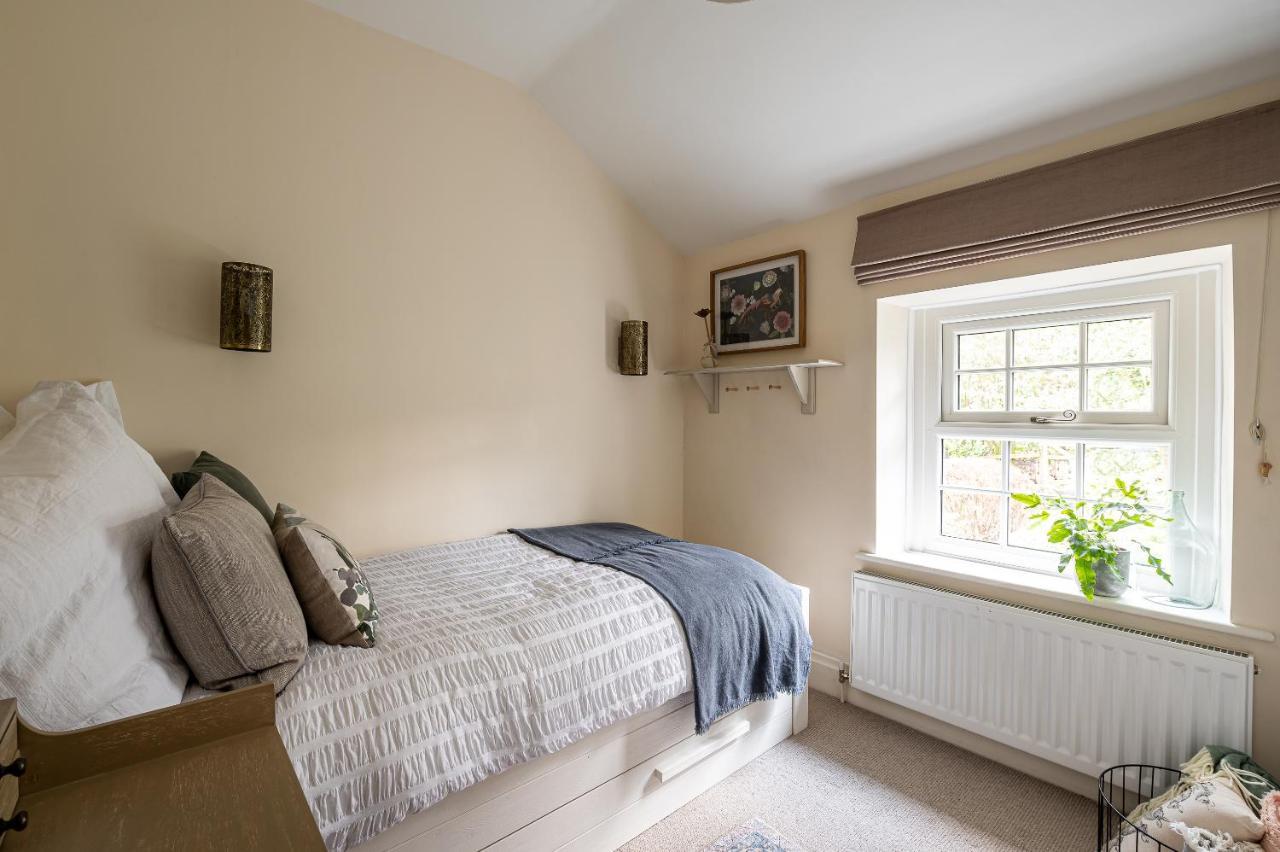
(709, 384)
(805, 381)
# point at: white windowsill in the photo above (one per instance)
(1061, 588)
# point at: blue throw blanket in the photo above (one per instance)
(744, 623)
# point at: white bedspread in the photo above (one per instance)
(490, 652)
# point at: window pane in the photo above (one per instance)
(1042, 468)
(1046, 390)
(1121, 340)
(977, 464)
(972, 515)
(1119, 389)
(980, 392)
(1053, 344)
(1145, 463)
(981, 351)
(1023, 533)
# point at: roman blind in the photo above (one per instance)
(1215, 168)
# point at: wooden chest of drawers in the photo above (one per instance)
(210, 774)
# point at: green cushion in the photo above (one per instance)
(207, 462)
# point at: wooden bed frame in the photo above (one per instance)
(604, 789)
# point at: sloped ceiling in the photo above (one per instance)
(723, 119)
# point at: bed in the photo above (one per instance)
(516, 699)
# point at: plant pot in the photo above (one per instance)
(1108, 584)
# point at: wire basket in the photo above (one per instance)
(1120, 790)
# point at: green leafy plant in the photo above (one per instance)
(1088, 529)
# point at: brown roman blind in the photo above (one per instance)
(1208, 170)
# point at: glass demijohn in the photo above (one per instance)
(1193, 561)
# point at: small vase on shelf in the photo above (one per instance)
(708, 355)
(1193, 561)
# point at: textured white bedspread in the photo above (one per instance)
(490, 652)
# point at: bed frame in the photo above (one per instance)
(604, 789)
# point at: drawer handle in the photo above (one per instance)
(17, 769)
(17, 823)
(706, 747)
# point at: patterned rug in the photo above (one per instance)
(754, 835)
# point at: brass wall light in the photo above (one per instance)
(633, 348)
(246, 307)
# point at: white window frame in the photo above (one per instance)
(1189, 414)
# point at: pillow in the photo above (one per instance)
(1271, 822)
(81, 641)
(207, 462)
(224, 593)
(1212, 804)
(1203, 840)
(334, 594)
(6, 422)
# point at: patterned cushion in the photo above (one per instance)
(1212, 804)
(224, 593)
(333, 591)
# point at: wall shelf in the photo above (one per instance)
(804, 379)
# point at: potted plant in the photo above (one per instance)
(1089, 529)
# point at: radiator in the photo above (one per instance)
(1080, 693)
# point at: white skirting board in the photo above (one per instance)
(603, 790)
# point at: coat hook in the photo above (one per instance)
(731, 388)
(775, 387)
(753, 387)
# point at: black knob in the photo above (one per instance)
(18, 822)
(17, 769)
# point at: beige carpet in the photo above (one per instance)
(856, 781)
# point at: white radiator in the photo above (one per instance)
(1076, 692)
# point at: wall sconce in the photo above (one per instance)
(246, 307)
(633, 348)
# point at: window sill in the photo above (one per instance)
(1061, 588)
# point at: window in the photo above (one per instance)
(1016, 386)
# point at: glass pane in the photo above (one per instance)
(980, 392)
(1042, 468)
(1024, 533)
(1121, 340)
(972, 515)
(1120, 389)
(977, 464)
(1053, 344)
(981, 351)
(1046, 390)
(1145, 463)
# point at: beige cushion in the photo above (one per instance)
(1212, 804)
(334, 594)
(224, 593)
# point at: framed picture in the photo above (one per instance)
(759, 305)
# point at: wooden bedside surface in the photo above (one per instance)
(211, 774)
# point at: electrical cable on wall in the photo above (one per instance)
(1256, 427)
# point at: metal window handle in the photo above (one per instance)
(1067, 416)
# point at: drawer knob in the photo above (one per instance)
(17, 823)
(17, 769)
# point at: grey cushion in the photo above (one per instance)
(223, 591)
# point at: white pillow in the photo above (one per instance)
(1212, 804)
(81, 641)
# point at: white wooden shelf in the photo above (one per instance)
(804, 379)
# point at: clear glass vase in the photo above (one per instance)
(1192, 561)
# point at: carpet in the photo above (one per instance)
(857, 782)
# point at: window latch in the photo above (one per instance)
(1067, 417)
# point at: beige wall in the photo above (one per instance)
(798, 492)
(449, 267)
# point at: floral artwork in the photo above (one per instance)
(759, 305)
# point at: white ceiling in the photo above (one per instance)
(720, 120)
